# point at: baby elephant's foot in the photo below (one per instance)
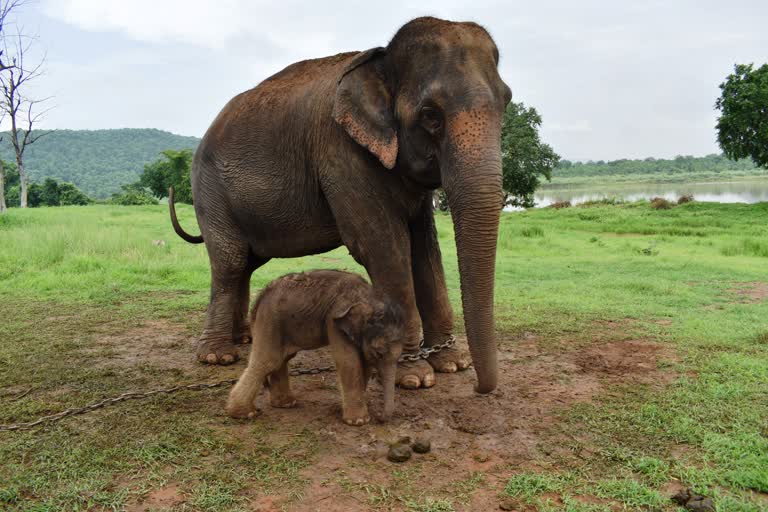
(282, 401)
(242, 411)
(357, 421)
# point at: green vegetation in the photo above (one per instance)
(679, 169)
(86, 291)
(48, 193)
(742, 129)
(170, 171)
(525, 159)
(97, 161)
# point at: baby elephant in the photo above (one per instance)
(310, 310)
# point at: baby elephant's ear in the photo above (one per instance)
(351, 320)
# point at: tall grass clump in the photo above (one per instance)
(685, 198)
(747, 247)
(532, 232)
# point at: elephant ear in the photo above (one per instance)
(363, 106)
(351, 320)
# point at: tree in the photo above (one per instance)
(69, 195)
(4, 171)
(21, 110)
(133, 194)
(49, 194)
(170, 171)
(742, 128)
(524, 158)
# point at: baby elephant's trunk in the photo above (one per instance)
(388, 382)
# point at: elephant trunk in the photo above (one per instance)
(387, 373)
(473, 185)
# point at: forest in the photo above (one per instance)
(678, 165)
(98, 162)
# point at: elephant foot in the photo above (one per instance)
(217, 352)
(415, 374)
(242, 411)
(356, 420)
(450, 360)
(282, 401)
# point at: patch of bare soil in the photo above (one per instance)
(750, 293)
(164, 498)
(492, 434)
(155, 343)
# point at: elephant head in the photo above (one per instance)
(429, 107)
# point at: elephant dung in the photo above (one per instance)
(421, 445)
(399, 452)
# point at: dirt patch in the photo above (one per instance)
(165, 498)
(749, 293)
(155, 343)
(471, 434)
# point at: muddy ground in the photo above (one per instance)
(477, 440)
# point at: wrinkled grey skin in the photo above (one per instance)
(347, 150)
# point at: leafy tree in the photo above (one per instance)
(49, 194)
(133, 194)
(71, 195)
(743, 124)
(170, 171)
(524, 158)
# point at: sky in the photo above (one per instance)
(611, 79)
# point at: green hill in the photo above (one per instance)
(97, 161)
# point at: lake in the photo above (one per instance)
(752, 191)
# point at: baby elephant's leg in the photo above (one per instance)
(280, 388)
(352, 379)
(266, 357)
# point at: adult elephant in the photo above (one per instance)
(348, 150)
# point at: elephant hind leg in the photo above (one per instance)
(241, 330)
(226, 319)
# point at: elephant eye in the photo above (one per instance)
(431, 120)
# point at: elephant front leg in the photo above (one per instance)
(352, 379)
(432, 294)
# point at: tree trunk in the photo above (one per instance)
(23, 184)
(3, 206)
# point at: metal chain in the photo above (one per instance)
(423, 353)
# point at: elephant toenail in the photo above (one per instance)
(211, 358)
(410, 382)
(429, 381)
(226, 358)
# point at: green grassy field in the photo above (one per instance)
(91, 308)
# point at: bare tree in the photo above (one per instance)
(22, 111)
(6, 6)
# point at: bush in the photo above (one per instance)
(133, 195)
(560, 204)
(659, 203)
(685, 198)
(604, 201)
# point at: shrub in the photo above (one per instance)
(604, 201)
(560, 204)
(685, 198)
(659, 203)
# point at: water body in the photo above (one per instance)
(752, 191)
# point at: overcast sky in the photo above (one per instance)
(611, 80)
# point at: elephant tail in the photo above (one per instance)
(198, 239)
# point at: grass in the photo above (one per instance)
(70, 276)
